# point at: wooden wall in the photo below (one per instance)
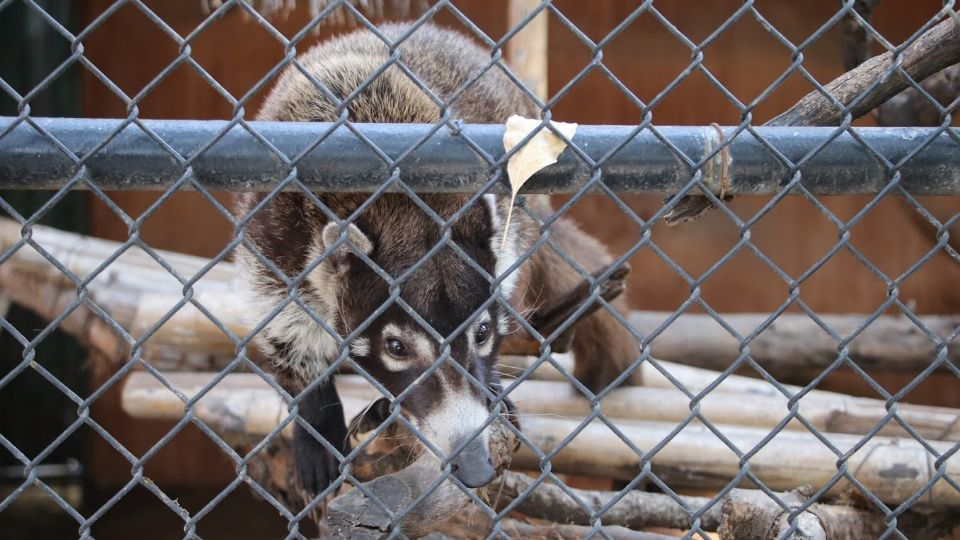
(646, 58)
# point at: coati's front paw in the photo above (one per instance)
(614, 284)
(317, 467)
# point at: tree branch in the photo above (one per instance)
(936, 49)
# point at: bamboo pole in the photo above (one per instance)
(892, 468)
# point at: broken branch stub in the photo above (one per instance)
(858, 91)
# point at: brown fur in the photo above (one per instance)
(602, 346)
(399, 237)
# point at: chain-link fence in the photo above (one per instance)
(375, 247)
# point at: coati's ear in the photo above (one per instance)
(340, 258)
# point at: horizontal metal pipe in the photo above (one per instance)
(445, 162)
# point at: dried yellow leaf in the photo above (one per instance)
(541, 150)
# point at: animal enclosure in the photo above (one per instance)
(776, 184)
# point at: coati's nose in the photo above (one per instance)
(473, 465)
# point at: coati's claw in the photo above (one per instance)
(620, 273)
(613, 285)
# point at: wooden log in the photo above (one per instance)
(141, 295)
(241, 403)
(836, 414)
(740, 514)
(892, 468)
(634, 510)
(471, 523)
(529, 531)
(794, 346)
(794, 343)
(186, 332)
(133, 268)
(762, 404)
(692, 378)
(134, 290)
(49, 301)
(753, 515)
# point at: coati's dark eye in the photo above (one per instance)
(396, 348)
(483, 333)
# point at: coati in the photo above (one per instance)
(292, 232)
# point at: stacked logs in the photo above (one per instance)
(677, 402)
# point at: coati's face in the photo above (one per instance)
(440, 337)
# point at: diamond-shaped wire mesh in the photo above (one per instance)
(374, 247)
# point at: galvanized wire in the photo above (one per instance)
(695, 183)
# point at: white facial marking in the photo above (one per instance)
(507, 256)
(455, 419)
(360, 347)
(503, 324)
(491, 201)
